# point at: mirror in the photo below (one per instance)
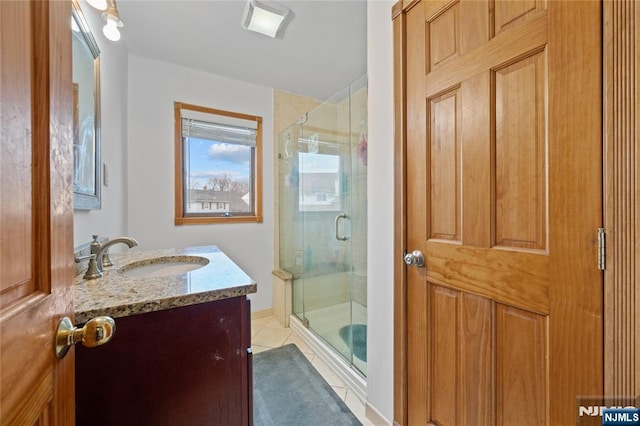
(86, 114)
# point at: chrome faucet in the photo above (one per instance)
(99, 249)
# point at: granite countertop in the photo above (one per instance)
(117, 295)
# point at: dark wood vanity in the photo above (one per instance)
(183, 366)
(180, 354)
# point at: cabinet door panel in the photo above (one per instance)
(179, 366)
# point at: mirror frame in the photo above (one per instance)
(84, 200)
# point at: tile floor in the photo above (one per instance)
(267, 333)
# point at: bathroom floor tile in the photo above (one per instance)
(274, 323)
(326, 373)
(271, 337)
(310, 356)
(256, 349)
(355, 405)
(342, 392)
(293, 338)
(260, 322)
(255, 330)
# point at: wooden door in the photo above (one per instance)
(36, 214)
(504, 197)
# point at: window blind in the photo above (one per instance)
(192, 128)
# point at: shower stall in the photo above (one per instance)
(322, 192)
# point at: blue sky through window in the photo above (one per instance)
(208, 159)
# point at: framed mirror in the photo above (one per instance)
(86, 114)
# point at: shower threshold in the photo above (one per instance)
(352, 378)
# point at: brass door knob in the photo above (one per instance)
(95, 332)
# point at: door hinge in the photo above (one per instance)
(602, 249)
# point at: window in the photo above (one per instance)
(319, 186)
(218, 163)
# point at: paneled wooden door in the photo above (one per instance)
(504, 199)
(36, 213)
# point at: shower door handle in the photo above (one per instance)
(338, 236)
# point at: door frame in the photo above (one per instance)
(400, 374)
(621, 195)
(621, 127)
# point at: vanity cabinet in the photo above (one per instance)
(181, 366)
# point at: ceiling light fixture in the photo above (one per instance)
(98, 4)
(113, 22)
(263, 18)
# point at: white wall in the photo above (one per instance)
(153, 88)
(111, 219)
(380, 208)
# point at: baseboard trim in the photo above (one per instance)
(374, 416)
(262, 314)
(354, 381)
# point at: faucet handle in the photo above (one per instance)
(95, 244)
(95, 248)
(106, 261)
(92, 269)
(83, 258)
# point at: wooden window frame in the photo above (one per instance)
(181, 218)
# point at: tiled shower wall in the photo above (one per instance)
(287, 109)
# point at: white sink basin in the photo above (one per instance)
(163, 266)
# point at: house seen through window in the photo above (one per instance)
(218, 166)
(319, 188)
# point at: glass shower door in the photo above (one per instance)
(322, 220)
(325, 202)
